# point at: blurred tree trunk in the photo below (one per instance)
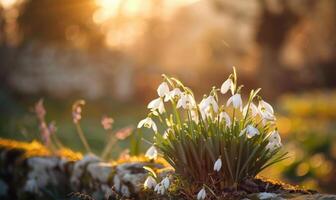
(271, 34)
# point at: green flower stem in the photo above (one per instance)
(111, 141)
(82, 137)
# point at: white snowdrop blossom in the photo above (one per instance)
(175, 93)
(228, 84)
(254, 110)
(148, 123)
(218, 165)
(236, 101)
(208, 102)
(186, 101)
(274, 141)
(275, 137)
(150, 183)
(163, 89)
(266, 111)
(250, 131)
(224, 116)
(165, 182)
(266, 195)
(263, 104)
(157, 104)
(159, 189)
(151, 153)
(194, 116)
(201, 194)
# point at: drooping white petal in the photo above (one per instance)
(175, 93)
(163, 89)
(254, 109)
(151, 153)
(201, 194)
(186, 101)
(148, 123)
(226, 86)
(218, 165)
(275, 137)
(165, 182)
(263, 104)
(157, 104)
(224, 116)
(207, 104)
(236, 101)
(141, 123)
(250, 131)
(150, 183)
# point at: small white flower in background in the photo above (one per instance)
(266, 111)
(208, 102)
(274, 141)
(275, 137)
(186, 101)
(264, 105)
(175, 93)
(163, 89)
(150, 183)
(254, 110)
(218, 165)
(201, 194)
(224, 116)
(165, 182)
(148, 123)
(156, 104)
(250, 131)
(151, 153)
(165, 134)
(236, 101)
(159, 189)
(194, 116)
(266, 195)
(228, 84)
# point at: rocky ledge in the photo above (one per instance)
(30, 171)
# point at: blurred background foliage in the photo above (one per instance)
(112, 53)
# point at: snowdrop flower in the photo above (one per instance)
(165, 182)
(159, 189)
(224, 116)
(148, 123)
(208, 102)
(150, 183)
(186, 101)
(266, 111)
(218, 165)
(175, 93)
(163, 89)
(273, 145)
(157, 104)
(275, 137)
(274, 141)
(194, 116)
(228, 84)
(254, 109)
(165, 134)
(236, 101)
(201, 194)
(151, 153)
(250, 131)
(266, 195)
(264, 105)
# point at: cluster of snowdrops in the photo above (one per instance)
(214, 144)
